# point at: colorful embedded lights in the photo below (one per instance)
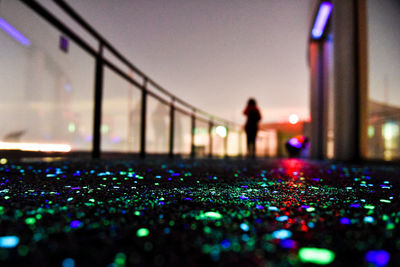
(378, 258)
(282, 234)
(210, 215)
(224, 207)
(316, 256)
(9, 241)
(142, 232)
(68, 262)
(245, 227)
(75, 224)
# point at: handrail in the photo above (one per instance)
(74, 15)
(102, 62)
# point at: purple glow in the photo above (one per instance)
(14, 33)
(324, 11)
(345, 220)
(287, 243)
(294, 142)
(75, 224)
(378, 257)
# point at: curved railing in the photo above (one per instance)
(141, 82)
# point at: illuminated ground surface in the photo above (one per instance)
(226, 213)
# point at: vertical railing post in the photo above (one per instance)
(240, 143)
(143, 120)
(210, 145)
(226, 142)
(98, 96)
(192, 149)
(171, 128)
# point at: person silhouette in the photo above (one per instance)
(251, 127)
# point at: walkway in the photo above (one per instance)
(192, 213)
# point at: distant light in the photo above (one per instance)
(71, 127)
(390, 130)
(36, 147)
(14, 33)
(293, 119)
(378, 257)
(9, 241)
(116, 139)
(105, 128)
(316, 255)
(67, 87)
(371, 131)
(221, 131)
(324, 11)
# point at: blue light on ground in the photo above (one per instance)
(378, 257)
(9, 241)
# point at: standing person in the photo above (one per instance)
(251, 127)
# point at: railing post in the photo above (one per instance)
(171, 128)
(98, 96)
(143, 120)
(226, 142)
(240, 143)
(192, 149)
(210, 145)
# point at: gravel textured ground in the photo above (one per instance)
(195, 213)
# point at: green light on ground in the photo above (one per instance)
(142, 232)
(210, 215)
(316, 255)
(30, 220)
(120, 259)
(310, 209)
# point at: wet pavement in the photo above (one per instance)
(195, 213)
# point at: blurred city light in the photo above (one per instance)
(324, 11)
(14, 33)
(221, 131)
(390, 130)
(293, 119)
(35, 147)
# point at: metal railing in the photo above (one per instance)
(167, 98)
